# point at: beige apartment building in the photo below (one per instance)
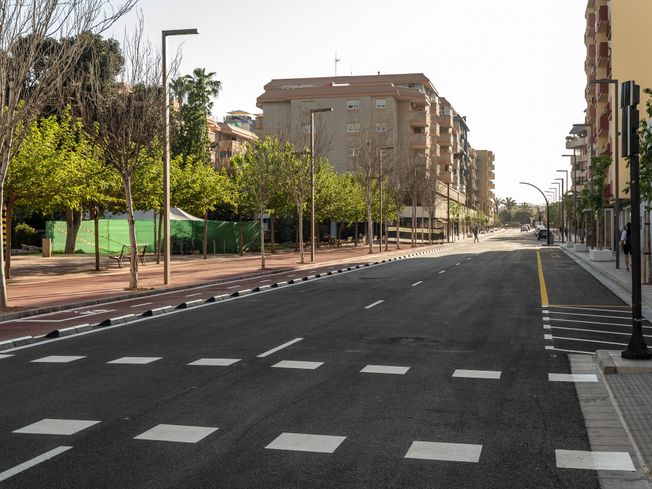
(402, 111)
(227, 140)
(486, 175)
(618, 40)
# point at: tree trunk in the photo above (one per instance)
(241, 237)
(300, 232)
(414, 221)
(355, 238)
(370, 227)
(205, 235)
(262, 239)
(4, 300)
(10, 218)
(96, 237)
(398, 232)
(272, 226)
(159, 241)
(133, 255)
(73, 221)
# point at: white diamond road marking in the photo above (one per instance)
(32, 462)
(384, 369)
(477, 374)
(451, 452)
(302, 442)
(5, 356)
(297, 364)
(134, 360)
(215, 362)
(176, 433)
(578, 459)
(572, 377)
(57, 359)
(56, 427)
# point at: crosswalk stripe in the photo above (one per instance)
(596, 331)
(588, 322)
(589, 341)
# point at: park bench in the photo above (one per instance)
(125, 255)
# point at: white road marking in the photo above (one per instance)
(176, 433)
(266, 280)
(477, 374)
(589, 341)
(442, 271)
(451, 452)
(303, 442)
(546, 326)
(56, 427)
(233, 287)
(546, 318)
(143, 304)
(545, 311)
(570, 351)
(134, 360)
(591, 315)
(374, 304)
(572, 377)
(547, 336)
(578, 459)
(280, 347)
(417, 283)
(32, 462)
(597, 331)
(193, 295)
(457, 264)
(5, 356)
(623, 309)
(385, 369)
(298, 364)
(57, 359)
(83, 314)
(589, 322)
(215, 362)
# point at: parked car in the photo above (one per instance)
(525, 227)
(542, 233)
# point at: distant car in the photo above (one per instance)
(542, 233)
(525, 227)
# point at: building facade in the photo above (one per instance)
(486, 175)
(227, 141)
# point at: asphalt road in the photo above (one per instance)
(443, 384)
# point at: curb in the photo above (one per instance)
(118, 320)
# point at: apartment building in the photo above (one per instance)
(617, 39)
(486, 175)
(242, 119)
(226, 141)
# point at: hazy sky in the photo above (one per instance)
(513, 67)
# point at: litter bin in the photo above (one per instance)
(46, 247)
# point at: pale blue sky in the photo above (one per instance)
(513, 67)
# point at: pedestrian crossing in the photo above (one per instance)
(587, 328)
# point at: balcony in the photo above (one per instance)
(445, 158)
(419, 118)
(419, 141)
(445, 120)
(602, 24)
(590, 114)
(603, 54)
(602, 92)
(575, 143)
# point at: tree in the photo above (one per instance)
(509, 203)
(497, 203)
(592, 195)
(257, 171)
(32, 66)
(129, 123)
(194, 101)
(645, 186)
(295, 178)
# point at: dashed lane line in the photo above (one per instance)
(417, 283)
(442, 271)
(280, 347)
(32, 462)
(374, 304)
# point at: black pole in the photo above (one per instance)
(636, 348)
(547, 209)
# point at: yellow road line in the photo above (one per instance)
(587, 305)
(542, 282)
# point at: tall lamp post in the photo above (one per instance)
(558, 200)
(547, 208)
(568, 219)
(574, 191)
(166, 155)
(553, 197)
(380, 185)
(587, 130)
(312, 178)
(561, 203)
(614, 82)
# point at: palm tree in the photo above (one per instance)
(202, 88)
(509, 203)
(498, 201)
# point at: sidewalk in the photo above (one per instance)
(41, 285)
(628, 383)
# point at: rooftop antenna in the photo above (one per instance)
(337, 60)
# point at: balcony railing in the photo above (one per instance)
(419, 141)
(602, 91)
(603, 126)
(602, 24)
(603, 53)
(419, 118)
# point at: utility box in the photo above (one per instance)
(46, 244)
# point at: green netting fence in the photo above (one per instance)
(186, 236)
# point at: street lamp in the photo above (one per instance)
(562, 207)
(166, 151)
(565, 172)
(586, 131)
(312, 178)
(547, 208)
(559, 189)
(380, 184)
(616, 159)
(574, 191)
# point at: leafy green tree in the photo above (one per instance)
(509, 203)
(592, 196)
(295, 178)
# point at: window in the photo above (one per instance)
(381, 127)
(308, 106)
(353, 127)
(353, 151)
(381, 103)
(306, 128)
(353, 104)
(418, 130)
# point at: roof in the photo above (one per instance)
(352, 80)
